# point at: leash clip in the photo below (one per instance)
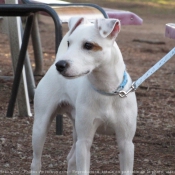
(123, 94)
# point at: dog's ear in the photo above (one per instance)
(74, 22)
(108, 27)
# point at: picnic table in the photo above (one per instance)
(65, 10)
(170, 30)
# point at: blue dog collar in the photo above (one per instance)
(120, 88)
(124, 82)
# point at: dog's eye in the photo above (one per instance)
(68, 44)
(88, 46)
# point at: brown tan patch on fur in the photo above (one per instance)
(97, 47)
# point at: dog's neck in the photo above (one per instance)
(108, 77)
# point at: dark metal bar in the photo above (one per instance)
(19, 66)
(59, 118)
(59, 125)
(37, 48)
(29, 72)
(25, 10)
(58, 38)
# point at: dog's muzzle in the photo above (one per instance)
(61, 66)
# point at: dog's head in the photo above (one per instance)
(88, 46)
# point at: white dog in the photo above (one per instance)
(89, 69)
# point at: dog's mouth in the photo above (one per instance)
(75, 76)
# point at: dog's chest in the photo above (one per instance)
(105, 127)
(107, 119)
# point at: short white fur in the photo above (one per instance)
(72, 92)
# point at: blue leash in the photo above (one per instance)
(152, 70)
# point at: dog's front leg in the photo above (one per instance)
(125, 134)
(126, 157)
(40, 129)
(85, 128)
(45, 106)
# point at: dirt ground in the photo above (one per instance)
(155, 137)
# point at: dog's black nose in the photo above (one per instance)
(62, 65)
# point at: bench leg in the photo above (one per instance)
(36, 42)
(59, 125)
(19, 66)
(29, 72)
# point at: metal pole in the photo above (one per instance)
(19, 66)
(59, 125)
(36, 42)
(28, 71)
